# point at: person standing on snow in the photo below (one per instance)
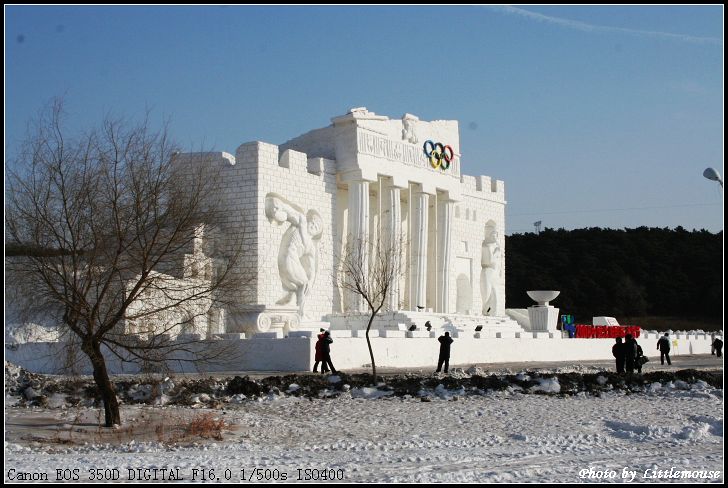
(326, 350)
(664, 346)
(718, 345)
(444, 357)
(319, 358)
(618, 353)
(640, 358)
(630, 353)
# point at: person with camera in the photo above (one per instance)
(444, 357)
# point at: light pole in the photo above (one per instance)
(712, 174)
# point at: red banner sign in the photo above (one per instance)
(606, 331)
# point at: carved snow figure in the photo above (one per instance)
(490, 272)
(409, 123)
(298, 252)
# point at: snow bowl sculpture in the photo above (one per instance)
(543, 297)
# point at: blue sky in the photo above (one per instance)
(593, 116)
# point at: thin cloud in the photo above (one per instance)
(582, 26)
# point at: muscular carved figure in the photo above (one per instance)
(298, 252)
(490, 272)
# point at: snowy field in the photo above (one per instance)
(496, 436)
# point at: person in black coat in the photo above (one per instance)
(444, 357)
(718, 345)
(618, 353)
(326, 350)
(640, 358)
(664, 346)
(630, 353)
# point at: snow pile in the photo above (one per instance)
(446, 394)
(474, 370)
(139, 393)
(155, 393)
(18, 379)
(547, 385)
(576, 368)
(57, 400)
(237, 398)
(715, 424)
(459, 373)
(698, 428)
(11, 401)
(638, 432)
(37, 390)
(694, 433)
(30, 332)
(202, 398)
(369, 393)
(327, 393)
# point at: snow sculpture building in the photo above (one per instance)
(291, 209)
(365, 176)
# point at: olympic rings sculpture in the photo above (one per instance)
(439, 155)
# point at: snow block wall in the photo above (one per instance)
(483, 203)
(297, 353)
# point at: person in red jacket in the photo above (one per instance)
(319, 357)
(326, 341)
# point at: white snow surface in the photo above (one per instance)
(491, 437)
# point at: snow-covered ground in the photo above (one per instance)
(496, 436)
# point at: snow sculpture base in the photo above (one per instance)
(254, 320)
(543, 318)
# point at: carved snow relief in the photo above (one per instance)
(298, 251)
(490, 272)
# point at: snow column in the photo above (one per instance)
(394, 231)
(359, 233)
(418, 290)
(445, 214)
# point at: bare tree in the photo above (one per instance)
(369, 270)
(106, 228)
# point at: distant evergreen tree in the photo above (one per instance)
(619, 272)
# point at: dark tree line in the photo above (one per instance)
(630, 272)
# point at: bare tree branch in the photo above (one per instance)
(368, 269)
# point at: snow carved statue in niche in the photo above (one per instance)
(491, 269)
(409, 124)
(298, 252)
